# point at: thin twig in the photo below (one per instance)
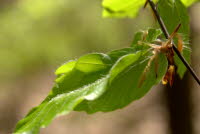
(166, 33)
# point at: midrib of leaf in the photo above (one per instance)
(81, 90)
(84, 95)
(40, 114)
(95, 63)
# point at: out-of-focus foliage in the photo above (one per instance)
(189, 2)
(118, 8)
(129, 8)
(98, 82)
(36, 33)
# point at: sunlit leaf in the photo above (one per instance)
(129, 8)
(67, 67)
(97, 82)
(119, 8)
(189, 2)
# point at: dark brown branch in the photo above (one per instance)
(166, 33)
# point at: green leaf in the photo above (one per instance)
(119, 8)
(67, 67)
(153, 34)
(97, 82)
(147, 36)
(189, 2)
(137, 37)
(129, 8)
(123, 85)
(176, 13)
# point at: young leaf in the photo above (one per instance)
(96, 82)
(176, 13)
(67, 67)
(149, 36)
(123, 84)
(189, 2)
(119, 8)
(129, 8)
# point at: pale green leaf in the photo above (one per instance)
(189, 2)
(119, 8)
(129, 8)
(67, 67)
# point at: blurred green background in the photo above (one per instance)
(37, 36)
(45, 34)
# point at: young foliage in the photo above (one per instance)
(119, 8)
(97, 82)
(177, 13)
(129, 8)
(106, 82)
(189, 2)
